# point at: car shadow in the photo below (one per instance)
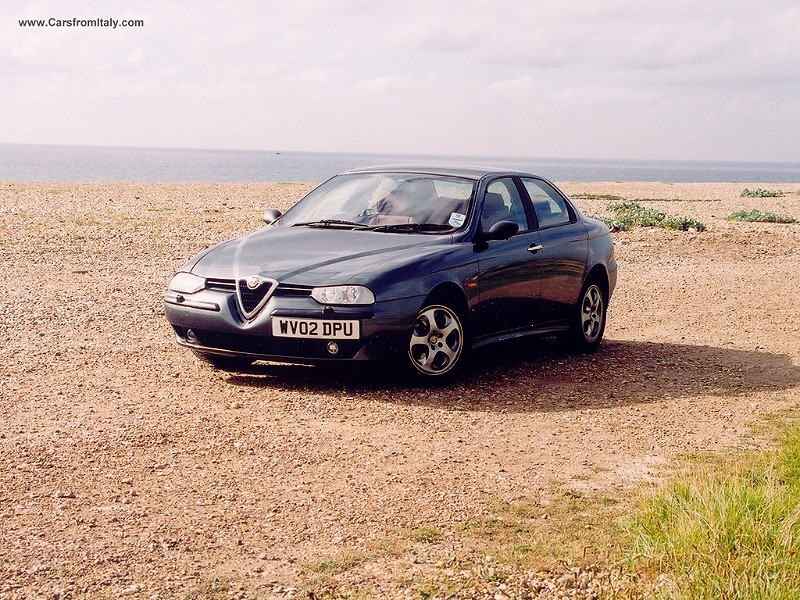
(541, 375)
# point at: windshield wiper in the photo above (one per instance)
(412, 227)
(332, 223)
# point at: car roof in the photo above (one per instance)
(465, 171)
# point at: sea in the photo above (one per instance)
(31, 162)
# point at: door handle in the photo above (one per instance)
(534, 248)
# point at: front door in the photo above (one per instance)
(509, 269)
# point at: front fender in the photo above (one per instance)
(419, 275)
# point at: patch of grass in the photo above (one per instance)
(337, 563)
(613, 198)
(387, 547)
(325, 587)
(629, 214)
(213, 588)
(425, 534)
(607, 197)
(426, 592)
(568, 527)
(676, 200)
(757, 216)
(727, 527)
(760, 193)
(86, 220)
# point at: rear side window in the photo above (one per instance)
(549, 205)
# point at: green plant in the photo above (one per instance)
(757, 216)
(726, 527)
(683, 224)
(760, 193)
(341, 561)
(212, 588)
(588, 196)
(425, 534)
(630, 213)
(426, 592)
(614, 225)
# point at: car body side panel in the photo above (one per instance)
(601, 252)
(563, 266)
(510, 282)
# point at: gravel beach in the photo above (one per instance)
(128, 468)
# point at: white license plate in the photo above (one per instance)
(315, 328)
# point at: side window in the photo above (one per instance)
(503, 203)
(549, 205)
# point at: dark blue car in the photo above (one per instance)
(416, 265)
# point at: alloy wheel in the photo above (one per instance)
(437, 340)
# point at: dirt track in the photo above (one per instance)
(128, 468)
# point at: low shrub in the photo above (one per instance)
(629, 213)
(758, 216)
(761, 193)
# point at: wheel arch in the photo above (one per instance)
(598, 274)
(447, 298)
(451, 289)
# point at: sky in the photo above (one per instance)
(680, 80)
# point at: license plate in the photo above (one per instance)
(315, 328)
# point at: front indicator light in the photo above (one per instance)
(186, 283)
(343, 294)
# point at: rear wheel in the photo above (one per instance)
(224, 363)
(438, 340)
(589, 319)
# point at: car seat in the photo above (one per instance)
(494, 210)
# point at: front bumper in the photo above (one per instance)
(210, 322)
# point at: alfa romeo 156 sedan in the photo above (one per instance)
(413, 265)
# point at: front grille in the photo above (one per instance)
(229, 285)
(221, 285)
(251, 299)
(292, 290)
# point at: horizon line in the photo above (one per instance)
(411, 154)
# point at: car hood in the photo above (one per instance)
(310, 256)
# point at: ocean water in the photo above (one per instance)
(25, 162)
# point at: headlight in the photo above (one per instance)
(343, 294)
(186, 283)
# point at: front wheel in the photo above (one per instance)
(437, 345)
(589, 320)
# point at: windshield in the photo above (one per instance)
(386, 202)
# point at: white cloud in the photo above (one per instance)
(508, 77)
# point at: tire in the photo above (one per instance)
(589, 319)
(224, 363)
(438, 342)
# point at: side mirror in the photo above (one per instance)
(502, 230)
(271, 215)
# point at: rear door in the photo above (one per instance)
(562, 258)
